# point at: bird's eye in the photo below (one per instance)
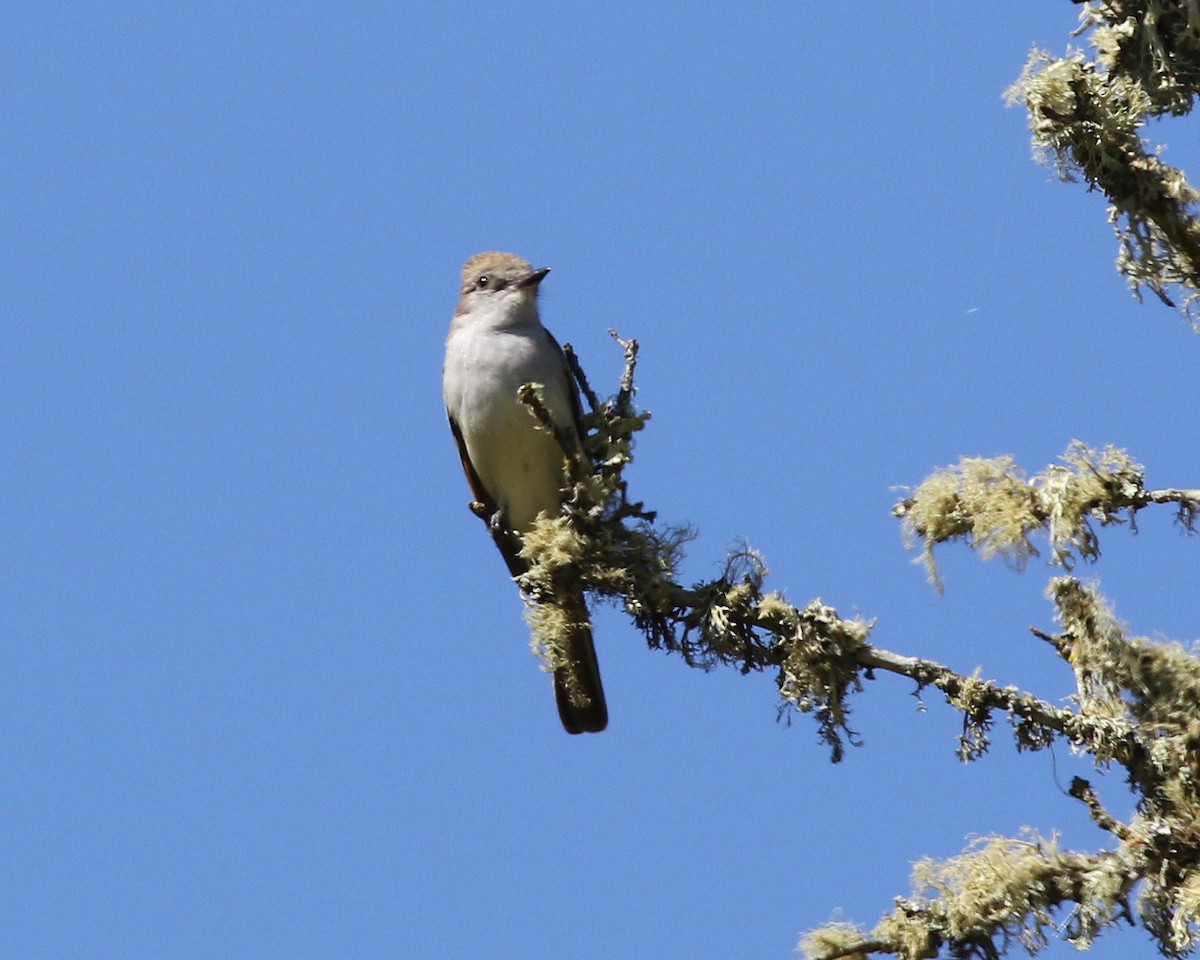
(489, 282)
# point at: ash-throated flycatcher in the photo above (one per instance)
(496, 343)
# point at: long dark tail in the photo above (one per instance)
(577, 688)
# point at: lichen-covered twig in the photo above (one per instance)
(1087, 116)
(994, 507)
(1001, 892)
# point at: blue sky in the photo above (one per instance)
(265, 689)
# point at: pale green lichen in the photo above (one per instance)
(996, 884)
(1088, 484)
(1186, 917)
(993, 506)
(820, 667)
(1092, 642)
(837, 938)
(987, 502)
(1154, 682)
(554, 609)
(1001, 891)
(1086, 116)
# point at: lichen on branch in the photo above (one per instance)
(995, 508)
(1086, 117)
(1136, 706)
(615, 549)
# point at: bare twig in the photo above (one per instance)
(625, 394)
(1082, 790)
(580, 378)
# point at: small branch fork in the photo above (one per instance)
(580, 377)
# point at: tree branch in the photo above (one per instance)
(1136, 706)
(1087, 115)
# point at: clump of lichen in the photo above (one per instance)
(556, 606)
(993, 506)
(1000, 891)
(987, 502)
(837, 939)
(1086, 117)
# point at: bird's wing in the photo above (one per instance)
(572, 388)
(506, 541)
(473, 480)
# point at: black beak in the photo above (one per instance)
(534, 278)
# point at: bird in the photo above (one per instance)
(515, 470)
